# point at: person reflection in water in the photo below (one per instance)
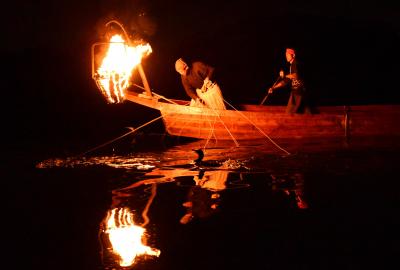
(293, 188)
(204, 197)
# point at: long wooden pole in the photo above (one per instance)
(144, 80)
(265, 98)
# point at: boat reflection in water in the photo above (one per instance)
(293, 186)
(332, 202)
(191, 194)
(204, 196)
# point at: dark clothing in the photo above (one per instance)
(297, 85)
(195, 76)
(298, 100)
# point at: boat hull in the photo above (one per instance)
(247, 125)
(249, 122)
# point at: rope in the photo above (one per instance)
(211, 132)
(160, 96)
(132, 130)
(223, 123)
(230, 134)
(260, 130)
(211, 125)
(214, 100)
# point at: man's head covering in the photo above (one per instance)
(290, 51)
(179, 64)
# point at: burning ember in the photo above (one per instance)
(116, 68)
(126, 237)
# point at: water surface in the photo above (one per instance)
(327, 205)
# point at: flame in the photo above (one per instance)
(117, 66)
(126, 237)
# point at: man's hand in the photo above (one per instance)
(206, 84)
(282, 74)
(270, 90)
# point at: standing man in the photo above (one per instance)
(298, 100)
(196, 80)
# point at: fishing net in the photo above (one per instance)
(211, 94)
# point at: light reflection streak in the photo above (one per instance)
(127, 239)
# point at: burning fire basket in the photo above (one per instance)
(114, 61)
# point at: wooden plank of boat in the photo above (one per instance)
(245, 125)
(258, 121)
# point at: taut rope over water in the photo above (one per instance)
(132, 130)
(227, 129)
(259, 129)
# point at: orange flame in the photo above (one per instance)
(117, 66)
(126, 237)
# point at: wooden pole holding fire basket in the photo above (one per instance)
(144, 80)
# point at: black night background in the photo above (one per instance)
(51, 106)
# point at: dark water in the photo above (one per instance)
(327, 205)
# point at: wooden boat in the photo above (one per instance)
(249, 122)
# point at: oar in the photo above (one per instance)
(265, 98)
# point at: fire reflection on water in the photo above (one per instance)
(207, 191)
(127, 239)
(274, 185)
(205, 195)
